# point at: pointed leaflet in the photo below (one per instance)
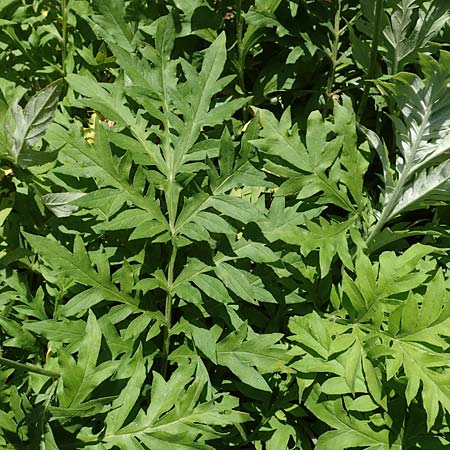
(435, 385)
(212, 287)
(420, 345)
(68, 331)
(111, 24)
(411, 28)
(125, 402)
(227, 153)
(251, 357)
(104, 98)
(363, 296)
(310, 331)
(429, 187)
(80, 379)
(237, 171)
(99, 158)
(353, 164)
(60, 203)
(329, 239)
(348, 431)
(191, 208)
(235, 207)
(237, 281)
(109, 101)
(402, 273)
(193, 98)
(77, 266)
(34, 119)
(281, 140)
(177, 414)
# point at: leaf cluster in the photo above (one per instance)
(224, 224)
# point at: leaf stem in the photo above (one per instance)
(239, 35)
(168, 308)
(27, 367)
(64, 11)
(379, 10)
(172, 199)
(334, 54)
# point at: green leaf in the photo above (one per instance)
(177, 416)
(237, 281)
(328, 238)
(250, 358)
(412, 27)
(212, 287)
(316, 164)
(125, 402)
(111, 23)
(60, 331)
(78, 267)
(348, 431)
(81, 378)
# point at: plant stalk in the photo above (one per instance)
(172, 202)
(334, 54)
(28, 367)
(373, 55)
(64, 12)
(168, 308)
(239, 36)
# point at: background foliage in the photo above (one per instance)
(224, 224)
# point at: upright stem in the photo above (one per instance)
(64, 35)
(168, 308)
(171, 195)
(241, 54)
(373, 55)
(239, 35)
(334, 53)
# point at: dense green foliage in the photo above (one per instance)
(224, 224)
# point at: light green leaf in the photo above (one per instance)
(60, 204)
(59, 331)
(33, 121)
